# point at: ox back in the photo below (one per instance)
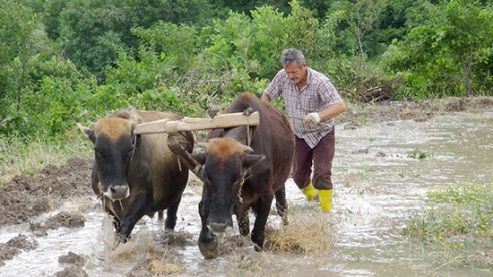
(273, 138)
(136, 175)
(264, 178)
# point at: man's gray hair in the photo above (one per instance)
(292, 55)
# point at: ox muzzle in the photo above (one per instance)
(118, 192)
(219, 225)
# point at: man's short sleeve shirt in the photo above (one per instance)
(317, 95)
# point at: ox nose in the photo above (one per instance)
(218, 227)
(118, 192)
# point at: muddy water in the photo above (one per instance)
(377, 188)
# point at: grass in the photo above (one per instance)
(21, 156)
(418, 154)
(456, 222)
(307, 233)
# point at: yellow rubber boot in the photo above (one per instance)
(310, 192)
(326, 199)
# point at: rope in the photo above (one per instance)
(248, 131)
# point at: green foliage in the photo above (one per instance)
(302, 28)
(247, 49)
(351, 21)
(17, 45)
(51, 17)
(138, 83)
(27, 105)
(465, 195)
(91, 32)
(146, 13)
(446, 54)
(68, 61)
(163, 38)
(417, 154)
(464, 211)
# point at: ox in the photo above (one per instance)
(136, 175)
(243, 170)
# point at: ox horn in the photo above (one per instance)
(247, 149)
(89, 133)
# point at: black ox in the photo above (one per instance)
(243, 170)
(136, 175)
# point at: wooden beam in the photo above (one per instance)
(193, 124)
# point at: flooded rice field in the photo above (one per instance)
(378, 186)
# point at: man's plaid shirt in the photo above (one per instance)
(317, 95)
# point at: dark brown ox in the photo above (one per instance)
(243, 170)
(136, 175)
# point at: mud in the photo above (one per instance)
(64, 219)
(27, 197)
(360, 114)
(14, 246)
(72, 258)
(72, 272)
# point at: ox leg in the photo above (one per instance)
(207, 239)
(171, 211)
(262, 208)
(135, 212)
(243, 220)
(282, 205)
(109, 209)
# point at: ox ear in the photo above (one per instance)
(200, 158)
(250, 160)
(89, 133)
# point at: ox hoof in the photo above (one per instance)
(257, 248)
(285, 220)
(209, 249)
(123, 239)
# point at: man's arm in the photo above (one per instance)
(328, 94)
(332, 111)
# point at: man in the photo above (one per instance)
(312, 103)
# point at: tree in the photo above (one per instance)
(351, 21)
(446, 54)
(18, 26)
(91, 32)
(467, 30)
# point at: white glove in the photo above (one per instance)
(313, 118)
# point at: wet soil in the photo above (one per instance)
(26, 197)
(14, 246)
(360, 114)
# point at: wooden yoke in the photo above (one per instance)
(176, 147)
(173, 128)
(193, 124)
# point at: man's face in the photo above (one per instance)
(296, 72)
